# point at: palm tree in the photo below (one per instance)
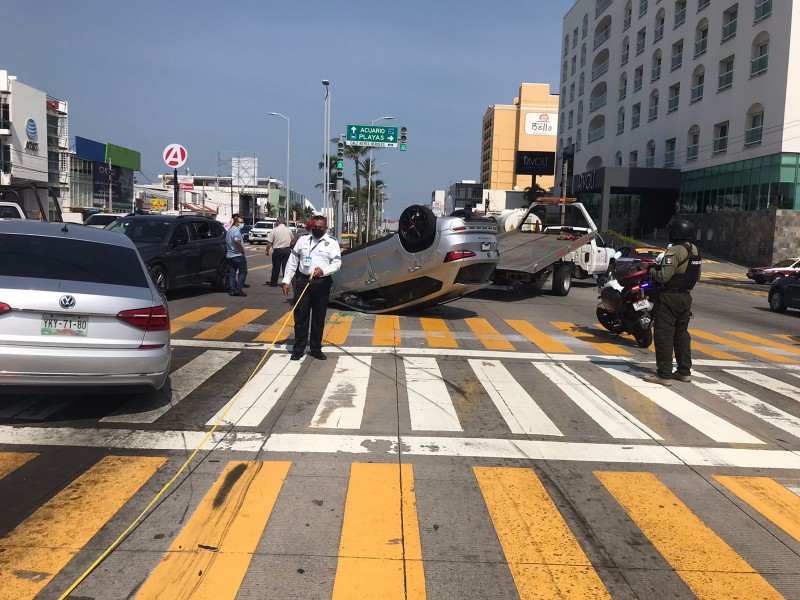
(533, 193)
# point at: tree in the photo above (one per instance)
(533, 193)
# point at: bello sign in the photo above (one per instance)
(372, 135)
(535, 163)
(541, 123)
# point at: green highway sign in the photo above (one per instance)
(371, 135)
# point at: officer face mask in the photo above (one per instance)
(317, 232)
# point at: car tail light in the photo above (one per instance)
(458, 255)
(462, 228)
(4, 308)
(155, 318)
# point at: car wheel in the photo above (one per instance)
(777, 303)
(221, 282)
(759, 280)
(160, 278)
(775, 277)
(417, 228)
(562, 280)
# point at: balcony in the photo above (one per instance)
(720, 144)
(758, 65)
(729, 30)
(601, 6)
(655, 73)
(752, 137)
(669, 159)
(650, 162)
(635, 121)
(692, 152)
(625, 56)
(601, 37)
(676, 62)
(626, 22)
(597, 103)
(659, 33)
(697, 93)
(597, 134)
(620, 127)
(672, 104)
(623, 93)
(700, 46)
(680, 16)
(599, 69)
(637, 83)
(640, 46)
(725, 81)
(763, 10)
(652, 113)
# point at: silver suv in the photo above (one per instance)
(258, 234)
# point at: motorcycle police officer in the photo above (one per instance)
(676, 275)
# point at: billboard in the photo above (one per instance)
(244, 170)
(537, 123)
(124, 157)
(530, 162)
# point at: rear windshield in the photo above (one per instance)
(141, 230)
(72, 260)
(100, 220)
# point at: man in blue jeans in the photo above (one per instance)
(237, 261)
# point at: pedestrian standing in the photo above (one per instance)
(676, 276)
(237, 261)
(279, 240)
(319, 255)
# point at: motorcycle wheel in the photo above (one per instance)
(644, 338)
(608, 321)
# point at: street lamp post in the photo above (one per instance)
(369, 176)
(288, 146)
(325, 147)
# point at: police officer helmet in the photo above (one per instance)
(679, 230)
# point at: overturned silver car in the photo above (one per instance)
(428, 261)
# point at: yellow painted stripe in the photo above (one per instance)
(46, 541)
(629, 337)
(11, 461)
(713, 352)
(590, 339)
(437, 333)
(765, 342)
(193, 317)
(768, 497)
(795, 339)
(337, 329)
(380, 553)
(212, 553)
(741, 347)
(230, 325)
(386, 331)
(271, 332)
(710, 567)
(541, 339)
(488, 335)
(543, 555)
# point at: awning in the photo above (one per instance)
(198, 208)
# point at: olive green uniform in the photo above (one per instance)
(673, 309)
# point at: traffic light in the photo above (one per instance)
(339, 159)
(403, 138)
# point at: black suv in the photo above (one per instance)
(178, 250)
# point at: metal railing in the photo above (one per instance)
(599, 69)
(637, 83)
(725, 80)
(763, 10)
(720, 144)
(602, 37)
(753, 135)
(598, 102)
(697, 93)
(672, 103)
(596, 134)
(700, 46)
(655, 74)
(635, 118)
(669, 158)
(677, 60)
(692, 151)
(652, 113)
(759, 65)
(601, 6)
(729, 30)
(680, 16)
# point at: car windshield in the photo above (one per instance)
(263, 225)
(648, 252)
(786, 263)
(141, 231)
(100, 220)
(43, 257)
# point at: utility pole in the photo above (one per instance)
(110, 199)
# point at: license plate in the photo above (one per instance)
(486, 246)
(641, 305)
(74, 325)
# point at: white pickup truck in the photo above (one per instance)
(11, 210)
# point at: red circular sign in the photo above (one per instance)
(175, 156)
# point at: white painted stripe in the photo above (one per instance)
(259, 396)
(181, 383)
(794, 489)
(342, 404)
(711, 425)
(519, 410)
(609, 415)
(429, 403)
(758, 408)
(775, 385)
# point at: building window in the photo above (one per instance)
(729, 22)
(720, 137)
(701, 4)
(623, 86)
(763, 9)
(620, 121)
(760, 52)
(564, 72)
(581, 84)
(602, 32)
(674, 97)
(755, 126)
(677, 55)
(563, 97)
(598, 97)
(633, 158)
(638, 74)
(583, 55)
(652, 114)
(650, 155)
(600, 65)
(618, 159)
(725, 73)
(597, 128)
(570, 118)
(693, 143)
(627, 15)
(585, 27)
(640, 40)
(655, 74)
(669, 153)
(561, 123)
(574, 37)
(680, 12)
(698, 79)
(636, 114)
(701, 38)
(573, 66)
(600, 6)
(642, 7)
(580, 112)
(578, 141)
(626, 51)
(658, 32)
(566, 44)
(571, 92)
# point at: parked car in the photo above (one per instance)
(789, 266)
(644, 254)
(78, 308)
(11, 210)
(428, 261)
(100, 220)
(258, 234)
(178, 250)
(785, 293)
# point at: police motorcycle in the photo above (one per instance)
(625, 304)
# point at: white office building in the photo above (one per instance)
(685, 106)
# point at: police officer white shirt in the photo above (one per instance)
(309, 253)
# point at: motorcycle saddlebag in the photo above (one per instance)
(630, 274)
(613, 300)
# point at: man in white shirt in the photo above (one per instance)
(319, 255)
(279, 240)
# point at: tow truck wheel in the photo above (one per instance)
(562, 280)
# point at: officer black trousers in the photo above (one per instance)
(280, 257)
(311, 308)
(671, 314)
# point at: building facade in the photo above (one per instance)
(519, 140)
(705, 89)
(101, 177)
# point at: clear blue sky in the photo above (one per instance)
(205, 74)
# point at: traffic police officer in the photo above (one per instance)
(676, 275)
(317, 254)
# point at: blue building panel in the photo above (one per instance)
(90, 150)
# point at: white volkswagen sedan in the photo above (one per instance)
(78, 309)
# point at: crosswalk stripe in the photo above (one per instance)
(231, 325)
(386, 331)
(795, 339)
(429, 403)
(771, 356)
(545, 559)
(765, 342)
(770, 383)
(758, 408)
(710, 567)
(709, 424)
(273, 332)
(590, 339)
(193, 317)
(544, 342)
(712, 352)
(11, 461)
(437, 333)
(767, 496)
(259, 396)
(515, 405)
(616, 421)
(380, 552)
(46, 541)
(345, 396)
(488, 335)
(211, 555)
(337, 329)
(181, 383)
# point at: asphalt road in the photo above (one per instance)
(502, 446)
